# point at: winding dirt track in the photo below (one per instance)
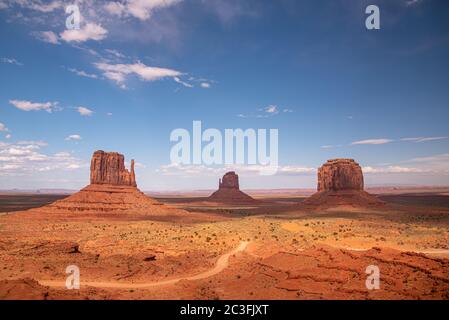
(221, 264)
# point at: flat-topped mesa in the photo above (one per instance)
(340, 174)
(340, 182)
(109, 168)
(230, 181)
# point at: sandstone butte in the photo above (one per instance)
(112, 189)
(340, 182)
(229, 191)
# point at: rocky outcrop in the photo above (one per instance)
(109, 168)
(340, 174)
(229, 191)
(113, 189)
(340, 183)
(229, 181)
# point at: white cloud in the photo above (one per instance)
(38, 5)
(84, 111)
(11, 61)
(372, 141)
(115, 8)
(266, 112)
(205, 85)
(73, 137)
(90, 31)
(119, 72)
(436, 158)
(185, 84)
(26, 158)
(141, 9)
(47, 36)
(271, 109)
(412, 2)
(34, 106)
(8, 136)
(115, 53)
(175, 169)
(423, 139)
(393, 169)
(3, 127)
(83, 73)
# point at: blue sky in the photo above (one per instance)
(138, 69)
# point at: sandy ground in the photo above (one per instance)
(276, 250)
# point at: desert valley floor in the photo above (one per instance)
(272, 249)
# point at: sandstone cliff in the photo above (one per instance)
(340, 183)
(109, 168)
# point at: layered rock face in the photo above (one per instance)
(340, 174)
(113, 189)
(229, 190)
(340, 182)
(109, 168)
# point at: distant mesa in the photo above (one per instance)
(340, 182)
(112, 189)
(229, 191)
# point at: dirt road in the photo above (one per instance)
(221, 264)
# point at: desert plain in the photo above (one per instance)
(271, 249)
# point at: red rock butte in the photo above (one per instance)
(340, 182)
(229, 190)
(112, 189)
(109, 168)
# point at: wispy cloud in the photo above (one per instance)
(185, 84)
(175, 169)
(409, 3)
(73, 137)
(82, 73)
(3, 128)
(84, 111)
(423, 139)
(34, 106)
(115, 53)
(205, 85)
(140, 9)
(119, 72)
(11, 61)
(372, 141)
(26, 157)
(266, 112)
(38, 5)
(90, 31)
(46, 36)
(393, 169)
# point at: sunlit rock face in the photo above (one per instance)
(109, 168)
(340, 174)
